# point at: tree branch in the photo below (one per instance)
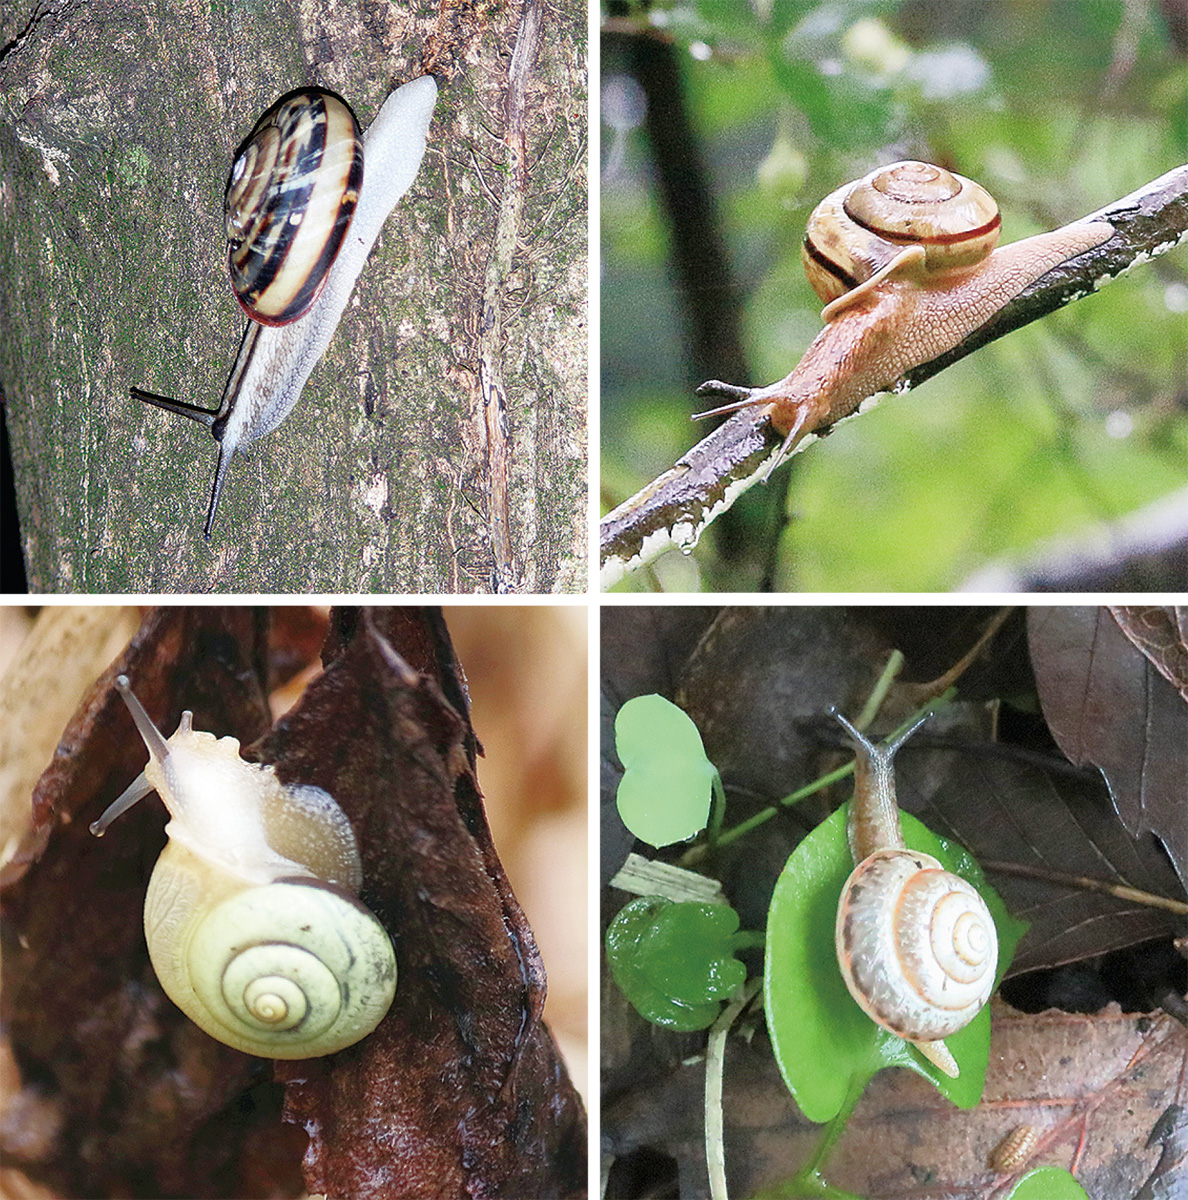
(676, 507)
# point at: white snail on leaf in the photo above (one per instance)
(251, 916)
(916, 944)
(305, 202)
(905, 260)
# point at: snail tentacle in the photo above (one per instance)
(251, 915)
(916, 944)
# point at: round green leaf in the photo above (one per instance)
(667, 785)
(675, 961)
(824, 1043)
(1048, 1183)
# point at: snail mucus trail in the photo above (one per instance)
(305, 202)
(252, 918)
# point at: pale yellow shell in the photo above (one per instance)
(251, 916)
(916, 945)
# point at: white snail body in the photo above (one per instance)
(275, 360)
(916, 944)
(905, 259)
(251, 916)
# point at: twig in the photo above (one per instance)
(676, 508)
(1084, 883)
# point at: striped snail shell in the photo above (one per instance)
(251, 915)
(290, 199)
(910, 214)
(295, 291)
(916, 944)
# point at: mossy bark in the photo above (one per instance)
(118, 127)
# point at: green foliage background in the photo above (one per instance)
(1058, 108)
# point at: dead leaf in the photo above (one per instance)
(1107, 704)
(459, 1091)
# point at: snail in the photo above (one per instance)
(916, 944)
(905, 261)
(251, 916)
(303, 210)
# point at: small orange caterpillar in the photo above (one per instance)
(1014, 1149)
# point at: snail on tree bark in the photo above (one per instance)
(916, 944)
(251, 915)
(303, 210)
(905, 260)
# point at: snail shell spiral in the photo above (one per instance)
(293, 190)
(916, 945)
(295, 969)
(863, 227)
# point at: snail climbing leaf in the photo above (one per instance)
(674, 961)
(826, 1047)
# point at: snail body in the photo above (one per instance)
(251, 915)
(906, 260)
(916, 944)
(295, 289)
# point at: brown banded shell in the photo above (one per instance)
(293, 190)
(862, 227)
(916, 945)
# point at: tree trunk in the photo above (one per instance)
(114, 153)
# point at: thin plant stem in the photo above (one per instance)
(715, 1062)
(696, 853)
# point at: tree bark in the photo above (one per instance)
(114, 153)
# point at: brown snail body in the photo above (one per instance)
(905, 260)
(916, 944)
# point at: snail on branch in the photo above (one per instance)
(251, 916)
(905, 260)
(303, 210)
(916, 944)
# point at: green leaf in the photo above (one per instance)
(824, 1043)
(675, 961)
(1048, 1183)
(667, 785)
